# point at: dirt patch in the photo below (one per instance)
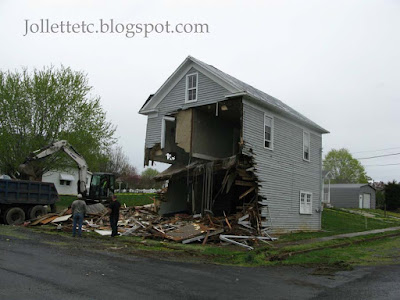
(331, 269)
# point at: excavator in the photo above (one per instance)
(101, 186)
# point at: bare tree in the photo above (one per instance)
(117, 161)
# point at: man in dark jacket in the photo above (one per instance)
(78, 209)
(113, 210)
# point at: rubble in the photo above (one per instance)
(143, 221)
(225, 207)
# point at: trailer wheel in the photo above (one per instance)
(14, 216)
(37, 211)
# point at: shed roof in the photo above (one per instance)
(350, 185)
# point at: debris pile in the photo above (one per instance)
(243, 229)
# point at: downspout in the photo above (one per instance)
(322, 193)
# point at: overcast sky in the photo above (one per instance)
(337, 62)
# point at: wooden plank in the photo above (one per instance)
(206, 238)
(48, 220)
(245, 183)
(247, 192)
(227, 222)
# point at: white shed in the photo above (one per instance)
(66, 181)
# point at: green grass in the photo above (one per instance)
(128, 199)
(135, 199)
(382, 251)
(64, 202)
(379, 212)
(336, 221)
(343, 222)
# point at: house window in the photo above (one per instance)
(306, 146)
(305, 203)
(65, 182)
(191, 87)
(268, 132)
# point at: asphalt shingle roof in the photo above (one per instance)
(260, 95)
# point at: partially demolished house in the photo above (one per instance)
(233, 148)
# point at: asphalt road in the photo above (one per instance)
(39, 267)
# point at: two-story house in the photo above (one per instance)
(230, 144)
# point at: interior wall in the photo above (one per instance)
(212, 135)
(176, 197)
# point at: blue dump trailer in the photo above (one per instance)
(22, 200)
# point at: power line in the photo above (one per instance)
(381, 165)
(376, 150)
(392, 154)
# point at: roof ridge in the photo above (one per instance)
(256, 93)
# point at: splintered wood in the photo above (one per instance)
(233, 213)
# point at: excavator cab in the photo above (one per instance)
(101, 186)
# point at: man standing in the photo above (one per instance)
(113, 210)
(78, 209)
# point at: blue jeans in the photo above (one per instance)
(78, 218)
(114, 225)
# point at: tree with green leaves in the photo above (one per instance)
(344, 168)
(147, 179)
(392, 195)
(40, 107)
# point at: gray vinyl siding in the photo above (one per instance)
(208, 92)
(282, 171)
(348, 197)
(153, 131)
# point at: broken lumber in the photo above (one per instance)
(245, 183)
(247, 192)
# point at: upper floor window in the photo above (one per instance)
(191, 87)
(268, 132)
(306, 146)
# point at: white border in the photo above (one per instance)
(309, 146)
(187, 87)
(272, 132)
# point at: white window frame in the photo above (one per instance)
(309, 145)
(193, 88)
(163, 128)
(271, 147)
(306, 207)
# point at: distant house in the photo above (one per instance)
(229, 145)
(66, 182)
(352, 195)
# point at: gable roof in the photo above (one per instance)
(234, 85)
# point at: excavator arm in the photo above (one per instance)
(70, 151)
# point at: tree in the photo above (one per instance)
(117, 162)
(147, 179)
(380, 199)
(43, 106)
(392, 195)
(344, 168)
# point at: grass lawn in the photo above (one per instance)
(383, 251)
(128, 199)
(336, 221)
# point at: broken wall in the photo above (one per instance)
(213, 136)
(176, 197)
